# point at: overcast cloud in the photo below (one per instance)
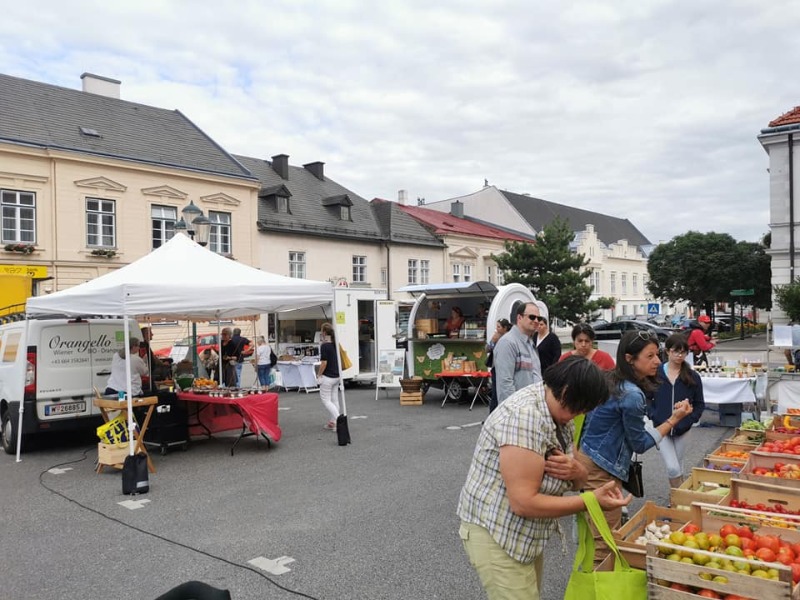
(647, 110)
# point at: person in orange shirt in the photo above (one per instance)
(583, 339)
(454, 323)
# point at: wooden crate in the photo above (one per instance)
(777, 421)
(626, 535)
(747, 436)
(718, 464)
(660, 571)
(768, 460)
(711, 517)
(729, 447)
(693, 489)
(411, 398)
(112, 455)
(764, 493)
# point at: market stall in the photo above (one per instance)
(299, 375)
(180, 280)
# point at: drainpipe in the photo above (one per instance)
(791, 207)
(388, 270)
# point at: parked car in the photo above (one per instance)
(661, 320)
(614, 331)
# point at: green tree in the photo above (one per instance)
(788, 299)
(556, 275)
(703, 268)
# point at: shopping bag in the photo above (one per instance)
(135, 479)
(115, 431)
(623, 583)
(344, 359)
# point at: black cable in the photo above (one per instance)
(155, 535)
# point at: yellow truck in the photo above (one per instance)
(14, 291)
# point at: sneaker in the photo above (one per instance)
(331, 425)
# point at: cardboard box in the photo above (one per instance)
(411, 398)
(427, 325)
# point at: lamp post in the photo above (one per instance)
(195, 223)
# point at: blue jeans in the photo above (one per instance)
(239, 374)
(263, 374)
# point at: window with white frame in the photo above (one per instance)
(456, 272)
(19, 216)
(635, 284)
(413, 268)
(163, 220)
(612, 281)
(489, 273)
(501, 277)
(344, 214)
(101, 223)
(219, 240)
(359, 269)
(424, 271)
(283, 204)
(297, 265)
(623, 280)
(595, 278)
(467, 272)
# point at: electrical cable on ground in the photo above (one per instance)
(155, 535)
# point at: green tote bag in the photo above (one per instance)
(623, 583)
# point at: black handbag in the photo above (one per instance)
(135, 479)
(635, 484)
(342, 430)
(273, 359)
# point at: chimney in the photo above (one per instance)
(457, 209)
(402, 197)
(315, 168)
(280, 164)
(102, 86)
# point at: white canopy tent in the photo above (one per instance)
(181, 280)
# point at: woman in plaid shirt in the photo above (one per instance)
(521, 467)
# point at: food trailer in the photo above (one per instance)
(433, 351)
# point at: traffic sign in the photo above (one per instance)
(750, 292)
(652, 308)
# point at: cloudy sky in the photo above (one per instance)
(644, 109)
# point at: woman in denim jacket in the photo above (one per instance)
(615, 430)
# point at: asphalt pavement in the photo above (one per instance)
(373, 520)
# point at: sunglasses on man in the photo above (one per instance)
(536, 318)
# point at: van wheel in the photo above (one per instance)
(9, 434)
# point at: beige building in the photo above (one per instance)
(90, 182)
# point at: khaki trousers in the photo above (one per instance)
(503, 577)
(597, 478)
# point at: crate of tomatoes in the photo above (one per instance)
(787, 447)
(778, 469)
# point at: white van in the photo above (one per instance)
(55, 371)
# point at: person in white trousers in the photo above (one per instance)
(328, 374)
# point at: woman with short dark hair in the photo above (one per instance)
(522, 466)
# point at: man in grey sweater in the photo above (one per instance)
(516, 361)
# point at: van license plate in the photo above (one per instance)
(65, 408)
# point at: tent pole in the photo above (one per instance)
(219, 355)
(128, 385)
(342, 402)
(22, 400)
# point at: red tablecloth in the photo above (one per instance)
(259, 411)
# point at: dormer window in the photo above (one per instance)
(342, 202)
(279, 194)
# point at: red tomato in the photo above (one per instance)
(769, 541)
(795, 572)
(766, 555)
(749, 553)
(708, 594)
(690, 528)
(744, 532)
(796, 548)
(748, 544)
(680, 587)
(726, 530)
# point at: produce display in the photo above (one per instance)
(203, 383)
(785, 425)
(731, 468)
(771, 508)
(735, 454)
(654, 533)
(780, 470)
(790, 446)
(753, 425)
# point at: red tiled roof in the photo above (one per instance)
(789, 118)
(444, 223)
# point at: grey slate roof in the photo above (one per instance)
(48, 116)
(399, 227)
(314, 207)
(538, 213)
